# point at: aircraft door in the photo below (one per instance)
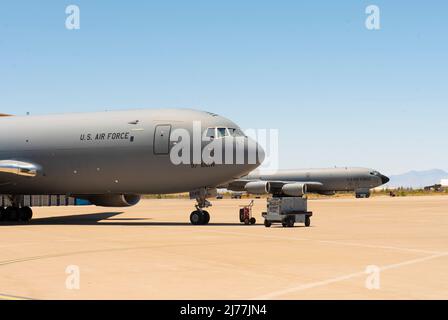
(162, 139)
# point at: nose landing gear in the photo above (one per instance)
(200, 216)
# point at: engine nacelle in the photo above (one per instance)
(114, 200)
(294, 189)
(258, 187)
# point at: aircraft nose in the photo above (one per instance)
(261, 155)
(255, 152)
(384, 179)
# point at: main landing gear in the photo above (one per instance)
(200, 216)
(16, 214)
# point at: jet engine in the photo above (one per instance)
(258, 187)
(294, 189)
(114, 200)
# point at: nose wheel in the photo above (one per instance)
(199, 217)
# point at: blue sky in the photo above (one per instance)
(339, 93)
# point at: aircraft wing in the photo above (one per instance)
(18, 168)
(275, 186)
(309, 184)
(236, 185)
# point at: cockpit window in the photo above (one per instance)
(222, 132)
(210, 133)
(236, 132)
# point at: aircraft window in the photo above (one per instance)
(236, 132)
(210, 133)
(222, 132)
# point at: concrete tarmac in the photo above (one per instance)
(150, 251)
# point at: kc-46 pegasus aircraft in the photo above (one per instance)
(111, 158)
(325, 181)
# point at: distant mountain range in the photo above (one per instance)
(417, 179)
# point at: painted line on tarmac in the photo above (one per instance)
(329, 242)
(342, 243)
(10, 297)
(312, 285)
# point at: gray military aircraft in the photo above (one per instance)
(322, 181)
(111, 158)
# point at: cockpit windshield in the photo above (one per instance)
(210, 133)
(236, 132)
(222, 132)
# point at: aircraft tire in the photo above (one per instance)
(26, 214)
(196, 218)
(12, 214)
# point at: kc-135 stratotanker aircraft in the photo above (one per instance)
(111, 158)
(326, 181)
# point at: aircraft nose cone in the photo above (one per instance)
(261, 155)
(384, 179)
(255, 153)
